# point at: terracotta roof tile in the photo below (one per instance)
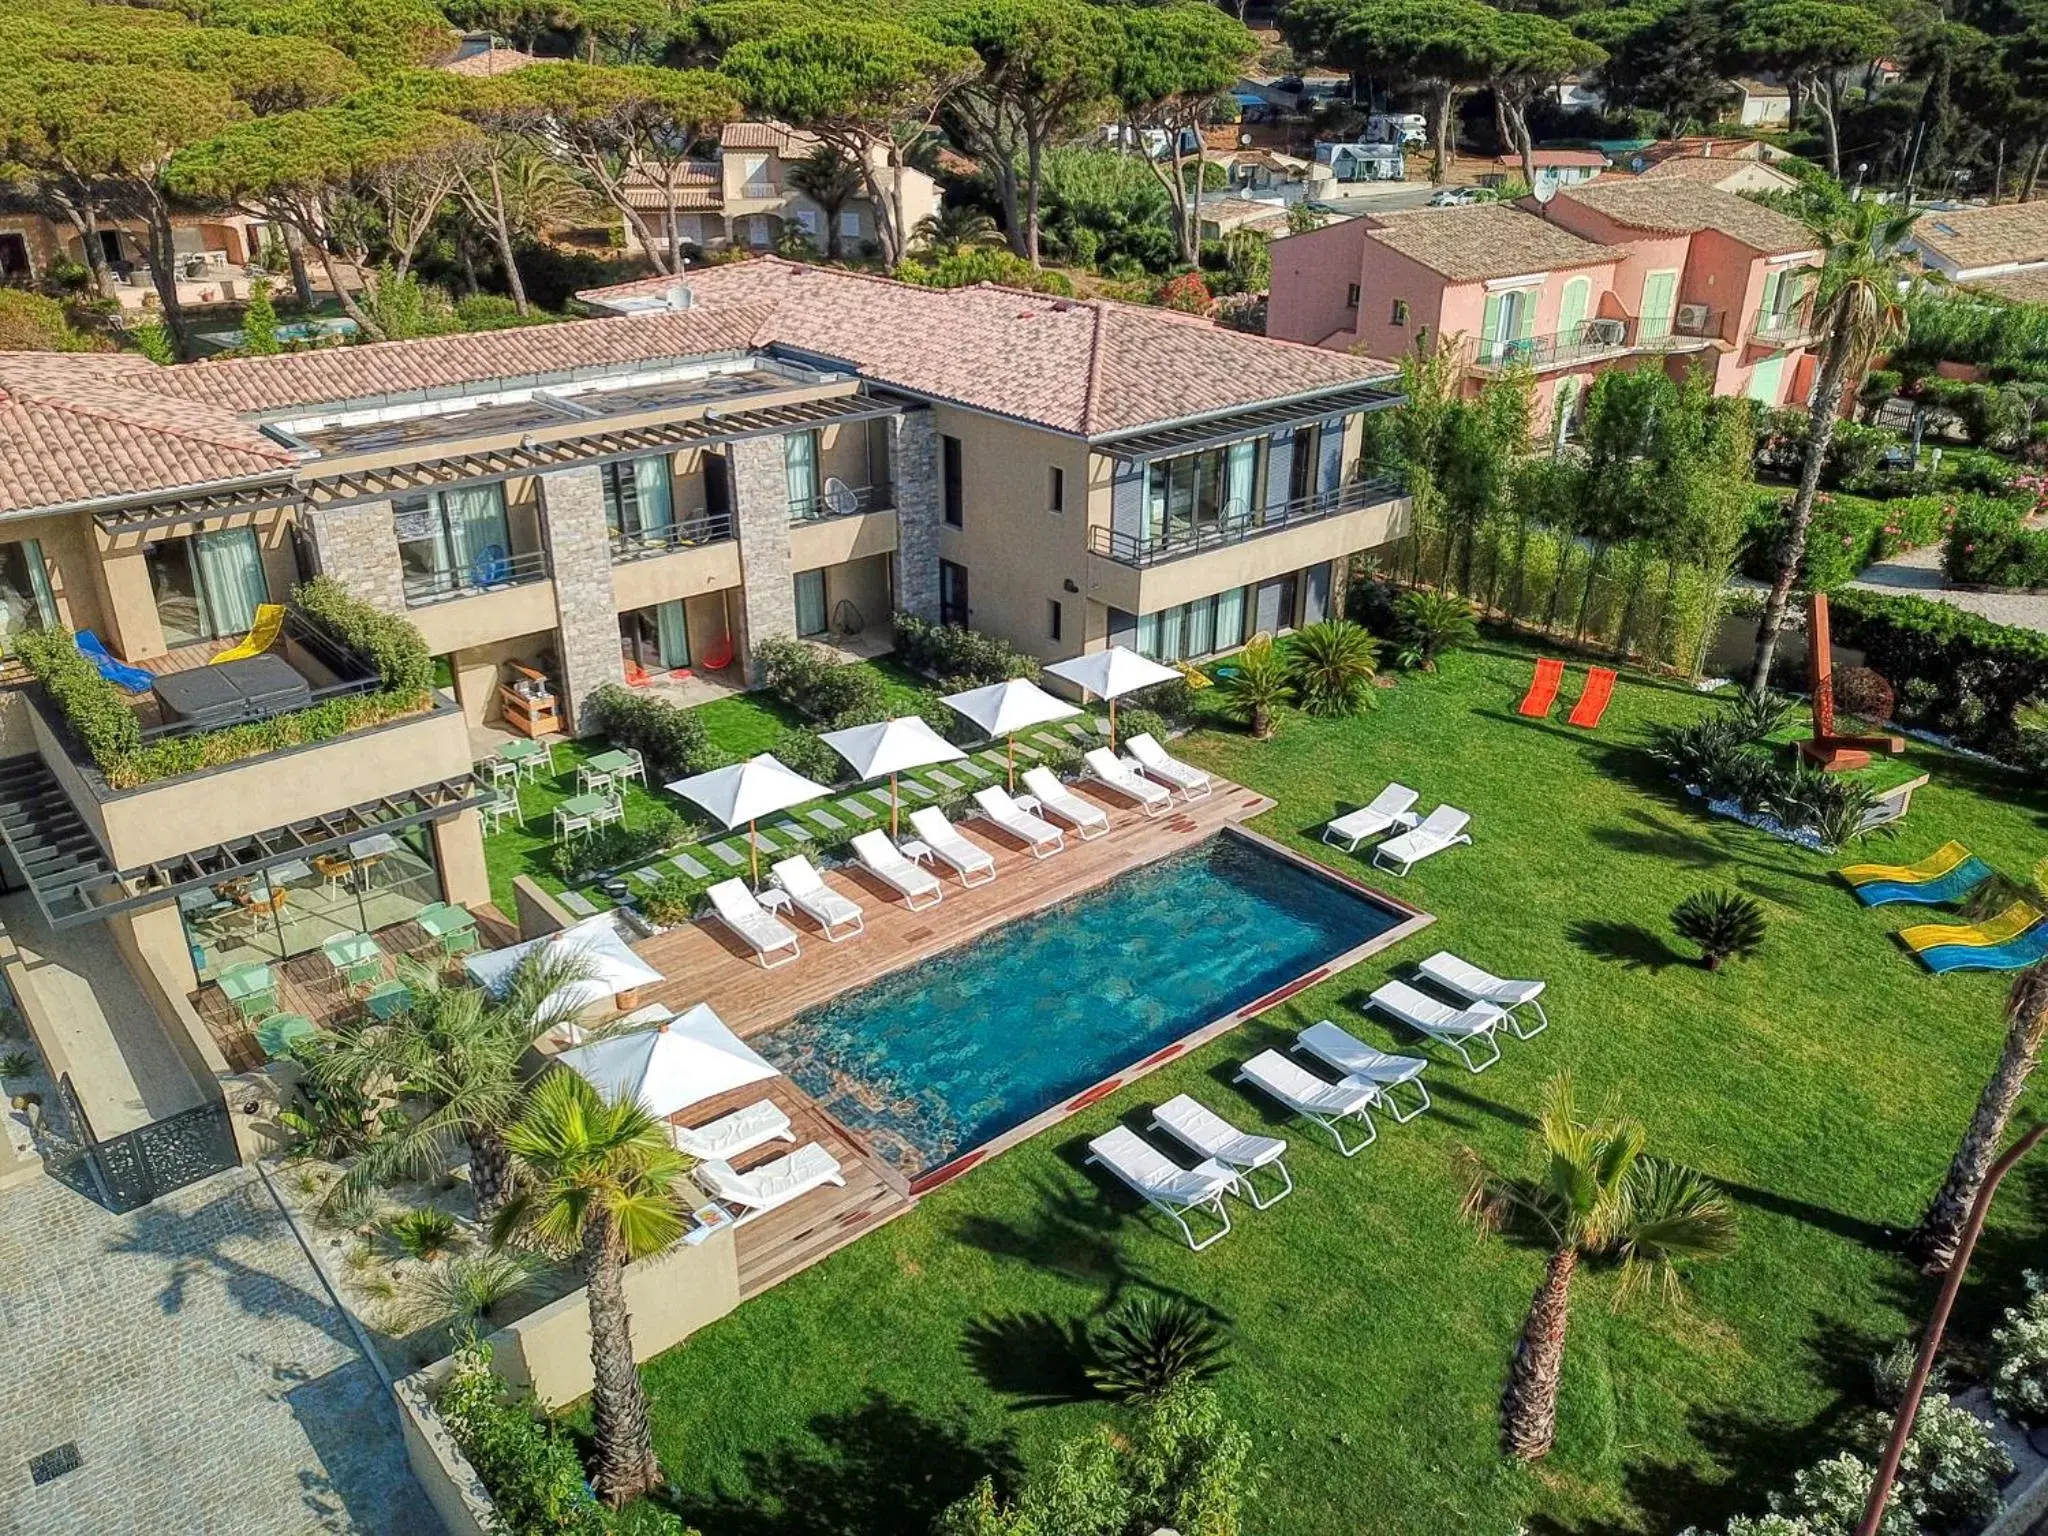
(1686, 207)
(1484, 240)
(2029, 285)
(489, 62)
(1713, 170)
(1574, 158)
(1085, 366)
(1985, 237)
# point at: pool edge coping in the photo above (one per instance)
(1414, 920)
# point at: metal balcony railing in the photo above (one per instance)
(1782, 330)
(1584, 342)
(645, 543)
(1689, 326)
(1174, 543)
(838, 499)
(491, 569)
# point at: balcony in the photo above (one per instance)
(317, 668)
(691, 533)
(1783, 330)
(1141, 573)
(838, 499)
(1690, 327)
(491, 571)
(1586, 342)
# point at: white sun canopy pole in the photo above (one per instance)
(745, 792)
(1110, 674)
(889, 748)
(1004, 709)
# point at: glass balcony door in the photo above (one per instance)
(207, 586)
(451, 540)
(639, 498)
(25, 598)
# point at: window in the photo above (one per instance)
(1052, 629)
(1200, 493)
(655, 639)
(1400, 314)
(1301, 464)
(639, 501)
(25, 598)
(206, 586)
(452, 540)
(1201, 628)
(1660, 297)
(1056, 489)
(1351, 296)
(849, 224)
(810, 603)
(760, 233)
(807, 219)
(953, 607)
(800, 471)
(949, 455)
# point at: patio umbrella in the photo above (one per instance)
(746, 792)
(1004, 709)
(671, 1066)
(612, 966)
(1111, 673)
(889, 748)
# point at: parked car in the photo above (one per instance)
(1454, 197)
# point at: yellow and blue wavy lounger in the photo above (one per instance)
(2008, 925)
(2030, 948)
(1945, 875)
(261, 637)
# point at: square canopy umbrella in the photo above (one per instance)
(683, 1061)
(1111, 673)
(612, 968)
(1004, 709)
(889, 748)
(746, 792)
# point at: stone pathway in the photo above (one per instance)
(1917, 573)
(191, 1354)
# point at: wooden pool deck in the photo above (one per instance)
(704, 962)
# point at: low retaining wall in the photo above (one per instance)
(438, 1465)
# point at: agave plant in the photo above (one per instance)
(1726, 925)
(1753, 717)
(1697, 754)
(1333, 663)
(1257, 683)
(1426, 624)
(427, 1233)
(1150, 1345)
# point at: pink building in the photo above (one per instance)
(1604, 275)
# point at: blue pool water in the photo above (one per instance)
(939, 1058)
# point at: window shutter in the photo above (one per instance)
(1489, 327)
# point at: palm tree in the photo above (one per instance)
(830, 180)
(454, 1058)
(1860, 313)
(598, 1183)
(955, 229)
(1595, 1195)
(1257, 683)
(1934, 1241)
(1334, 662)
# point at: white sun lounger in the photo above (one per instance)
(938, 834)
(1105, 767)
(1456, 1027)
(1345, 1052)
(1208, 1135)
(772, 1185)
(1439, 830)
(1322, 1103)
(801, 883)
(1053, 796)
(1038, 835)
(745, 916)
(1162, 1183)
(741, 1131)
(878, 856)
(1468, 981)
(1162, 765)
(1391, 809)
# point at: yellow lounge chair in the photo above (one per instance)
(269, 625)
(1933, 867)
(2008, 925)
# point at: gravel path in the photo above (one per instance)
(1917, 573)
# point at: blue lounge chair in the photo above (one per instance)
(1940, 891)
(112, 668)
(2014, 955)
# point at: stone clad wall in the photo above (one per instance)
(359, 548)
(760, 488)
(914, 473)
(580, 556)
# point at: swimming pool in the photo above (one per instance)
(984, 1043)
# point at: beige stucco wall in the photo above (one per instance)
(686, 573)
(838, 539)
(459, 851)
(460, 623)
(865, 585)
(1018, 553)
(479, 671)
(670, 1297)
(163, 820)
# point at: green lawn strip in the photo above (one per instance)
(1825, 1083)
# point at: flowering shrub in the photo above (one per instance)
(1187, 293)
(2020, 1384)
(1847, 534)
(1990, 545)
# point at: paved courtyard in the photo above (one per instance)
(191, 1354)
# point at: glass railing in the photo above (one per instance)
(1176, 540)
(645, 543)
(490, 570)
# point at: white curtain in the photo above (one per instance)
(810, 602)
(800, 465)
(476, 524)
(1239, 467)
(231, 584)
(673, 634)
(1229, 618)
(651, 487)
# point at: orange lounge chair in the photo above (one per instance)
(1543, 689)
(1593, 702)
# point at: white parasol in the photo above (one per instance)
(1004, 709)
(889, 748)
(611, 965)
(1111, 673)
(671, 1066)
(748, 791)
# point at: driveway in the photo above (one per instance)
(190, 1355)
(1917, 573)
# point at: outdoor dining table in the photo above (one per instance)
(441, 919)
(344, 951)
(276, 1033)
(590, 807)
(247, 986)
(615, 764)
(526, 756)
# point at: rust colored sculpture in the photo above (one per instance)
(1827, 751)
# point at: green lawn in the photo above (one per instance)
(1824, 1083)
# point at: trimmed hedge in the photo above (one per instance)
(391, 644)
(1990, 545)
(956, 655)
(671, 741)
(98, 711)
(1847, 534)
(821, 687)
(1954, 672)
